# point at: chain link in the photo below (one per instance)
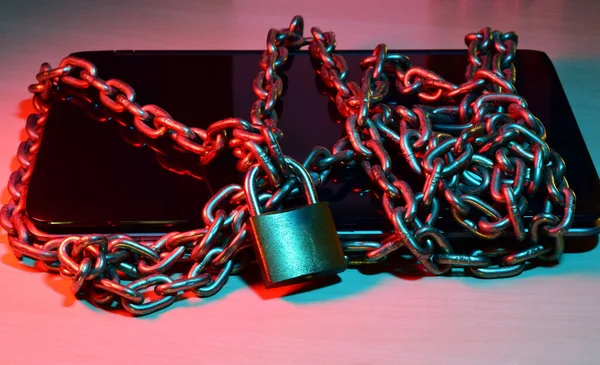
(475, 146)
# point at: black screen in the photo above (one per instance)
(102, 174)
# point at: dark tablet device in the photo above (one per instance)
(90, 176)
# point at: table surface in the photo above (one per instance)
(544, 316)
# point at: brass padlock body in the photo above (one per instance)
(297, 244)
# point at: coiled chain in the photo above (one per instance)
(476, 146)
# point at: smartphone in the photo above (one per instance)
(90, 177)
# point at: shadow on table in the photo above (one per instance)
(400, 267)
(365, 279)
(56, 282)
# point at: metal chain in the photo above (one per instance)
(475, 144)
(476, 147)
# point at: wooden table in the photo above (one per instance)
(544, 316)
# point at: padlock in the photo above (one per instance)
(295, 244)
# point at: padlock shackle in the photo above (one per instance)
(299, 171)
(250, 190)
(307, 184)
